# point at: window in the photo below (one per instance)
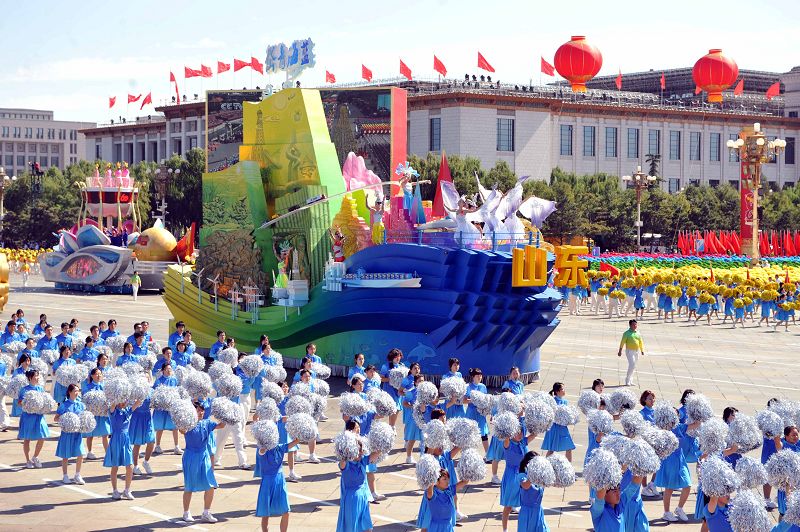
(39, 132)
(713, 183)
(694, 182)
(54, 148)
(5, 131)
(566, 140)
(611, 142)
(21, 161)
(435, 135)
(62, 134)
(733, 155)
(633, 143)
(175, 127)
(792, 114)
(674, 145)
(17, 132)
(8, 160)
(32, 148)
(192, 142)
(694, 146)
(28, 132)
(20, 146)
(43, 162)
(788, 154)
(51, 134)
(505, 134)
(73, 134)
(734, 183)
(55, 161)
(654, 142)
(9, 146)
(714, 147)
(788, 184)
(42, 148)
(674, 185)
(588, 141)
(191, 125)
(772, 159)
(176, 146)
(98, 151)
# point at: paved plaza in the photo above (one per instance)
(741, 368)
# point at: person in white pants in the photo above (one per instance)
(236, 430)
(3, 414)
(634, 346)
(136, 282)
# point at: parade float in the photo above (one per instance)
(303, 249)
(106, 244)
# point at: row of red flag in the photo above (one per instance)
(405, 70)
(112, 100)
(709, 242)
(772, 91)
(779, 243)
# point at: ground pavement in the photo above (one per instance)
(742, 368)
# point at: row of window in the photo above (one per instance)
(26, 116)
(22, 161)
(505, 134)
(28, 133)
(654, 144)
(177, 126)
(31, 148)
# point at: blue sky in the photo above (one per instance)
(70, 56)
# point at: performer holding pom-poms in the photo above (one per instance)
(411, 431)
(365, 421)
(391, 386)
(478, 412)
(32, 426)
(198, 474)
(508, 428)
(162, 420)
(70, 443)
(120, 451)
(558, 437)
(674, 473)
(60, 390)
(142, 431)
(441, 502)
(354, 513)
(273, 500)
(94, 398)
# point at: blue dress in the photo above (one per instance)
(531, 513)
(212, 436)
(119, 452)
(633, 507)
(647, 413)
(766, 309)
(718, 521)
(591, 446)
(59, 390)
(273, 500)
(411, 432)
(509, 487)
(356, 370)
(387, 387)
(424, 514)
(16, 409)
(638, 299)
(31, 426)
(683, 300)
(689, 444)
(767, 449)
(515, 387)
(703, 309)
(472, 411)
(783, 526)
(442, 509)
(198, 475)
(607, 518)
(693, 305)
(283, 436)
(781, 497)
(70, 444)
(162, 420)
(354, 513)
(674, 472)
(141, 430)
(557, 437)
(103, 424)
(729, 306)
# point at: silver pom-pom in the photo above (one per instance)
(427, 471)
(197, 362)
(49, 355)
(566, 415)
(6, 361)
(484, 403)
(353, 405)
(197, 384)
(632, 423)
(301, 388)
(267, 409)
(132, 369)
(318, 405)
(115, 373)
(396, 376)
(270, 389)
(471, 466)
(298, 404)
(4, 380)
(506, 425)
(67, 374)
(226, 410)
(664, 415)
(15, 384)
(640, 458)
(621, 400)
(770, 424)
(744, 432)
(116, 343)
(265, 432)
(698, 408)
(453, 388)
(381, 437)
(140, 390)
(602, 470)
(463, 432)
(383, 403)
(184, 415)
(41, 366)
(301, 426)
(180, 373)
(36, 402)
(154, 347)
(251, 365)
(542, 397)
(508, 402)
(96, 402)
(783, 469)
(228, 385)
(418, 415)
(792, 515)
(163, 397)
(321, 387)
(751, 472)
(427, 394)
(321, 370)
(147, 362)
(70, 422)
(88, 422)
(712, 436)
(747, 513)
(717, 477)
(346, 446)
(218, 369)
(229, 356)
(539, 417)
(788, 411)
(588, 401)
(614, 443)
(117, 391)
(663, 442)
(565, 473)
(89, 365)
(600, 422)
(540, 472)
(104, 350)
(14, 347)
(275, 373)
(435, 434)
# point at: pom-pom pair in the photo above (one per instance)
(435, 435)
(396, 377)
(381, 437)
(621, 400)
(463, 433)
(267, 409)
(588, 401)
(347, 446)
(184, 415)
(39, 403)
(718, 477)
(664, 415)
(228, 385)
(565, 415)
(471, 466)
(229, 356)
(301, 426)
(712, 436)
(70, 422)
(600, 422)
(251, 365)
(353, 405)
(265, 432)
(640, 457)
(225, 410)
(197, 384)
(321, 370)
(483, 403)
(602, 470)
(96, 403)
(506, 425)
(747, 513)
(383, 403)
(453, 388)
(427, 394)
(270, 389)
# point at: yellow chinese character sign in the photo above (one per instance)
(571, 269)
(529, 266)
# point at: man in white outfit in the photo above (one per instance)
(634, 346)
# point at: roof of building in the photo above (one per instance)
(140, 125)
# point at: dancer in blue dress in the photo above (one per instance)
(790, 441)
(142, 432)
(716, 515)
(557, 438)
(23, 365)
(358, 368)
(647, 400)
(531, 512)
(635, 520)
(70, 444)
(198, 474)
(513, 384)
(515, 449)
(608, 511)
(393, 360)
(411, 431)
(162, 420)
(32, 426)
(476, 384)
(119, 452)
(496, 452)
(767, 450)
(273, 500)
(454, 408)
(102, 427)
(59, 390)
(354, 515)
(689, 445)
(268, 358)
(441, 502)
(673, 474)
(283, 436)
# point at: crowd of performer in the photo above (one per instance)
(127, 391)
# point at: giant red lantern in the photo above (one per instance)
(578, 61)
(715, 72)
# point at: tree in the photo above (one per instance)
(653, 160)
(185, 190)
(500, 176)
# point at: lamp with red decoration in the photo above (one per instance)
(578, 61)
(715, 72)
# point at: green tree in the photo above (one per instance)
(185, 190)
(500, 176)
(653, 161)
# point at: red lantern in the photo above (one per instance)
(578, 61)
(714, 72)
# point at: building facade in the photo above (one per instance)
(34, 136)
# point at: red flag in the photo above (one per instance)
(147, 99)
(789, 245)
(697, 90)
(663, 82)
(712, 274)
(786, 279)
(238, 64)
(329, 78)
(257, 65)
(606, 267)
(205, 71)
(190, 72)
(111, 101)
(763, 244)
(547, 68)
(173, 80)
(132, 98)
(748, 272)
(776, 249)
(444, 175)
(366, 73)
(438, 66)
(484, 64)
(222, 67)
(405, 71)
(773, 90)
(739, 89)
(796, 241)
(172, 77)
(619, 80)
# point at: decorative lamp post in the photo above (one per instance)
(641, 181)
(578, 61)
(5, 181)
(715, 72)
(754, 150)
(162, 180)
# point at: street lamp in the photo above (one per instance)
(641, 181)
(754, 150)
(4, 182)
